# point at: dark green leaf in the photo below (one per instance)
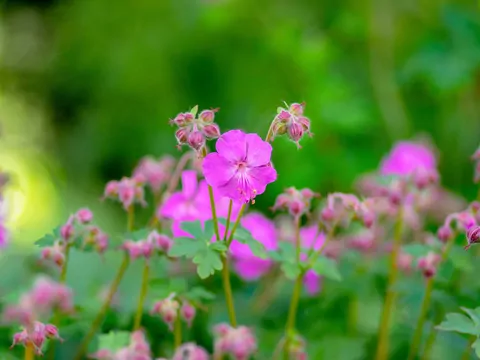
(207, 261)
(186, 247)
(459, 323)
(327, 267)
(194, 228)
(114, 340)
(47, 240)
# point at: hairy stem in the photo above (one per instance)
(229, 215)
(417, 336)
(177, 332)
(235, 225)
(228, 292)
(143, 294)
(384, 330)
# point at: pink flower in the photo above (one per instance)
(155, 172)
(246, 264)
(291, 122)
(190, 351)
(187, 312)
(84, 216)
(311, 238)
(429, 263)
(54, 253)
(128, 191)
(297, 202)
(406, 157)
(238, 342)
(241, 168)
(473, 236)
(191, 203)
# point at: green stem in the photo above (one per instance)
(417, 336)
(228, 292)
(352, 315)
(143, 294)
(177, 332)
(131, 218)
(229, 215)
(29, 352)
(384, 330)
(269, 133)
(235, 225)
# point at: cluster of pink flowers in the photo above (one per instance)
(296, 202)
(194, 131)
(128, 191)
(45, 296)
(138, 349)
(341, 208)
(290, 121)
(239, 342)
(169, 309)
(147, 247)
(155, 173)
(241, 168)
(461, 221)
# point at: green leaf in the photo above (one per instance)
(275, 255)
(416, 250)
(290, 269)
(194, 228)
(138, 235)
(287, 250)
(327, 267)
(218, 246)
(114, 340)
(459, 323)
(209, 230)
(222, 221)
(460, 259)
(474, 314)
(187, 247)
(208, 261)
(243, 236)
(48, 239)
(199, 293)
(476, 347)
(194, 110)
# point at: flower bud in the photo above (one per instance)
(182, 135)
(445, 233)
(283, 116)
(51, 332)
(190, 351)
(296, 109)
(207, 115)
(295, 132)
(167, 309)
(162, 242)
(20, 338)
(187, 313)
(473, 236)
(238, 342)
(84, 216)
(428, 264)
(404, 261)
(67, 230)
(111, 189)
(305, 123)
(196, 140)
(211, 131)
(327, 214)
(297, 202)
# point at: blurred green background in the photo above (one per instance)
(88, 86)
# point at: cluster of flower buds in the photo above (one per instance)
(363, 242)
(476, 159)
(290, 121)
(239, 342)
(194, 130)
(296, 202)
(138, 349)
(55, 253)
(82, 217)
(461, 221)
(189, 351)
(169, 308)
(428, 264)
(146, 248)
(45, 296)
(35, 336)
(154, 173)
(128, 191)
(342, 208)
(297, 347)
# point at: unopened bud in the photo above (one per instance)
(187, 312)
(295, 131)
(473, 236)
(207, 115)
(196, 140)
(211, 131)
(284, 116)
(182, 135)
(297, 109)
(445, 233)
(84, 216)
(428, 264)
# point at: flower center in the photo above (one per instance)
(242, 166)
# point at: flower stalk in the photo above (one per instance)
(177, 332)
(143, 294)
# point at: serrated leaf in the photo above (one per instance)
(114, 340)
(327, 267)
(218, 246)
(417, 250)
(137, 235)
(243, 236)
(207, 261)
(187, 247)
(46, 240)
(458, 323)
(194, 228)
(199, 293)
(290, 269)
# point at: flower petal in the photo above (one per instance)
(259, 177)
(217, 170)
(312, 282)
(251, 269)
(171, 205)
(259, 152)
(232, 145)
(189, 183)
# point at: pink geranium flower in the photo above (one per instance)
(407, 157)
(246, 264)
(310, 238)
(241, 168)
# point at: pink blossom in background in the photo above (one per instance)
(3, 235)
(155, 172)
(190, 351)
(241, 168)
(311, 238)
(406, 157)
(246, 264)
